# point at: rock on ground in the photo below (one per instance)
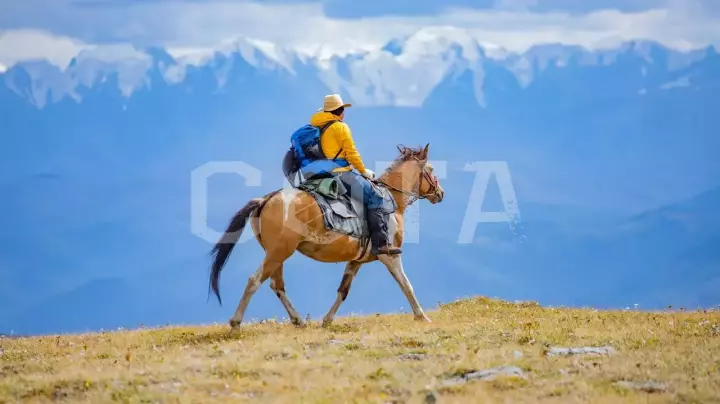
(648, 386)
(487, 374)
(559, 351)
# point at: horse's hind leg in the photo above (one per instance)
(272, 263)
(277, 283)
(279, 244)
(351, 269)
(261, 275)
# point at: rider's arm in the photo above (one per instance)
(348, 145)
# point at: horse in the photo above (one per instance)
(289, 220)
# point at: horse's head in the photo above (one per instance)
(417, 177)
(428, 185)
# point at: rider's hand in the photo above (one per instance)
(368, 174)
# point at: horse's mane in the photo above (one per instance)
(406, 154)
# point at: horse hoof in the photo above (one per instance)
(423, 318)
(234, 324)
(298, 323)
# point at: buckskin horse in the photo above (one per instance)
(290, 219)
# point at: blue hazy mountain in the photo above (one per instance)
(613, 156)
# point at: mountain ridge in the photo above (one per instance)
(402, 72)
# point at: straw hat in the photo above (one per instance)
(333, 102)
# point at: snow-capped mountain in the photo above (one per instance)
(404, 72)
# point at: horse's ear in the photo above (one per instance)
(426, 150)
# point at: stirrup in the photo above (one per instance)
(389, 250)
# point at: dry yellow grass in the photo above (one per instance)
(384, 358)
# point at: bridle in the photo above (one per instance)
(424, 175)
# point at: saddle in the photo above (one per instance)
(341, 212)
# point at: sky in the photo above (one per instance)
(58, 29)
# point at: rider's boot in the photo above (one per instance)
(381, 243)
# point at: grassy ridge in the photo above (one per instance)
(388, 358)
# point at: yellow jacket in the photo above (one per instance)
(338, 136)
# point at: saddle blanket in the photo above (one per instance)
(341, 213)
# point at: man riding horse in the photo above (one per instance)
(325, 148)
(336, 140)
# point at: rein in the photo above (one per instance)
(415, 196)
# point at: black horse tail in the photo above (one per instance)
(227, 242)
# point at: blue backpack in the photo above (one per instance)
(306, 155)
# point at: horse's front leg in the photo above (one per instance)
(351, 270)
(395, 266)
